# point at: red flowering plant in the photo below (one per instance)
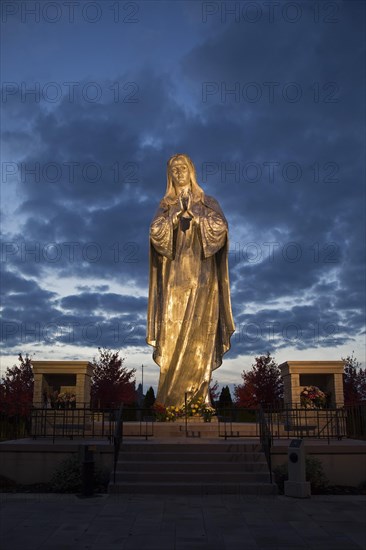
(160, 412)
(16, 389)
(167, 414)
(312, 397)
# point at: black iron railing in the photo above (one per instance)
(117, 440)
(265, 438)
(355, 420)
(78, 422)
(237, 422)
(25, 420)
(289, 423)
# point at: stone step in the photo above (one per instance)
(192, 468)
(174, 466)
(183, 488)
(197, 447)
(192, 477)
(190, 457)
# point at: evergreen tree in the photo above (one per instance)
(112, 383)
(225, 400)
(149, 398)
(263, 385)
(354, 381)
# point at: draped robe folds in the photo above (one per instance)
(189, 310)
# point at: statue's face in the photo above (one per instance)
(180, 173)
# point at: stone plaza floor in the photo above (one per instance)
(166, 522)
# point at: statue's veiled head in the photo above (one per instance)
(180, 174)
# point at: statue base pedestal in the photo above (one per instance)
(200, 419)
(203, 430)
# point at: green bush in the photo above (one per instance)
(67, 477)
(314, 473)
(149, 399)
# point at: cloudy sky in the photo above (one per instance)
(268, 100)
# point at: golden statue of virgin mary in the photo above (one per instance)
(189, 310)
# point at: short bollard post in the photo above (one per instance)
(297, 486)
(87, 470)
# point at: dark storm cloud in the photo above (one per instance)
(295, 236)
(24, 305)
(107, 302)
(31, 315)
(301, 327)
(287, 271)
(20, 295)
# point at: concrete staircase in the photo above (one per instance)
(192, 468)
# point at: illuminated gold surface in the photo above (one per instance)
(189, 311)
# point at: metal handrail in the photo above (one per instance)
(117, 439)
(329, 423)
(265, 439)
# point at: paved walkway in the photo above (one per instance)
(207, 522)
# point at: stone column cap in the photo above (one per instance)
(63, 367)
(312, 367)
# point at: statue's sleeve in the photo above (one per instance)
(161, 232)
(214, 229)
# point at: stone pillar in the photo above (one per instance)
(37, 391)
(337, 390)
(291, 386)
(83, 385)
